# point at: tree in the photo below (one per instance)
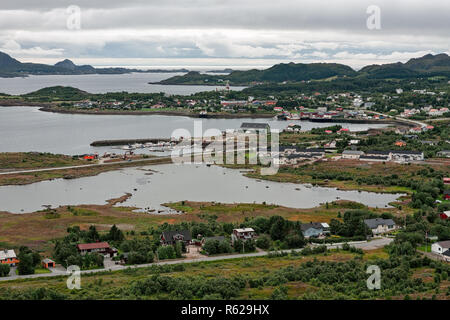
(295, 239)
(263, 242)
(211, 246)
(279, 228)
(224, 246)
(166, 252)
(92, 234)
(4, 270)
(178, 249)
(26, 264)
(115, 234)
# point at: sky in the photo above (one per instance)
(223, 33)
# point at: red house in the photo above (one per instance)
(445, 215)
(446, 180)
(98, 247)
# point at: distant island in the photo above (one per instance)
(426, 66)
(10, 68)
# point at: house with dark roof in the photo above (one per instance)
(314, 229)
(446, 255)
(373, 158)
(407, 155)
(375, 155)
(171, 237)
(380, 225)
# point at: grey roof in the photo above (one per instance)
(444, 244)
(374, 223)
(254, 125)
(168, 235)
(373, 157)
(217, 238)
(406, 152)
(377, 152)
(310, 150)
(284, 148)
(353, 152)
(309, 155)
(446, 253)
(314, 225)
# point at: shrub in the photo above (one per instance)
(4, 270)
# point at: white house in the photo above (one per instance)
(379, 225)
(352, 154)
(243, 234)
(440, 247)
(8, 257)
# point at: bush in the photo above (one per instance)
(4, 270)
(263, 242)
(166, 252)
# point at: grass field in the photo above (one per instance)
(37, 229)
(35, 160)
(352, 168)
(32, 177)
(112, 285)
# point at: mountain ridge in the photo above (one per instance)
(10, 67)
(428, 65)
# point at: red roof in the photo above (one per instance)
(90, 246)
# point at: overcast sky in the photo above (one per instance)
(237, 33)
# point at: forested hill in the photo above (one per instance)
(277, 73)
(429, 65)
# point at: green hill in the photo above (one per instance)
(58, 93)
(429, 65)
(10, 67)
(278, 73)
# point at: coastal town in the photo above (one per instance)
(207, 159)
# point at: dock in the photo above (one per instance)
(124, 142)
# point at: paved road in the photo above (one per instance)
(371, 245)
(418, 123)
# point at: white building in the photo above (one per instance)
(243, 234)
(8, 257)
(440, 247)
(352, 154)
(379, 225)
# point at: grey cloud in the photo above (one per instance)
(283, 29)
